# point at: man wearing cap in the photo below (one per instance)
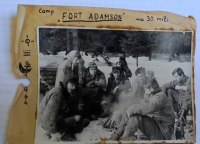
(153, 116)
(61, 110)
(94, 84)
(72, 66)
(93, 77)
(117, 83)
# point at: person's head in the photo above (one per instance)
(77, 58)
(153, 86)
(178, 74)
(71, 85)
(116, 71)
(141, 74)
(76, 61)
(92, 68)
(150, 75)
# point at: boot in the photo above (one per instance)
(85, 123)
(105, 112)
(68, 137)
(116, 137)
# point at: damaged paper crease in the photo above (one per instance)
(45, 34)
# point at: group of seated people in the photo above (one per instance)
(82, 94)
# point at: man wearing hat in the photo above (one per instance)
(117, 83)
(94, 83)
(93, 77)
(61, 110)
(153, 116)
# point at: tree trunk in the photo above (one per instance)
(75, 40)
(68, 43)
(150, 55)
(170, 55)
(104, 50)
(137, 61)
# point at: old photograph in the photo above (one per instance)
(108, 85)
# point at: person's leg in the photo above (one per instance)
(146, 125)
(92, 99)
(180, 102)
(79, 126)
(90, 94)
(121, 127)
(65, 124)
(174, 96)
(69, 126)
(150, 128)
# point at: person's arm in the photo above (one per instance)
(134, 88)
(51, 111)
(188, 85)
(59, 76)
(125, 86)
(81, 70)
(101, 82)
(109, 88)
(154, 104)
(171, 85)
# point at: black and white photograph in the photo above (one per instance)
(101, 85)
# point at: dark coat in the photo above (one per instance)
(100, 80)
(123, 83)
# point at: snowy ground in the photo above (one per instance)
(162, 71)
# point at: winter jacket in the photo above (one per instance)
(65, 71)
(55, 105)
(99, 79)
(160, 108)
(137, 90)
(184, 89)
(123, 83)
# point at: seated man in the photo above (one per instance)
(179, 91)
(134, 97)
(117, 83)
(139, 84)
(60, 112)
(93, 77)
(94, 80)
(153, 116)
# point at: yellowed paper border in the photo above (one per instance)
(22, 117)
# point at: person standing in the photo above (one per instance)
(72, 66)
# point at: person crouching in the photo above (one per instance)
(117, 83)
(60, 112)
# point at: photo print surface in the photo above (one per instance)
(113, 85)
